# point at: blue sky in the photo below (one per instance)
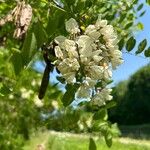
(132, 62)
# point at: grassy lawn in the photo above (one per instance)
(66, 141)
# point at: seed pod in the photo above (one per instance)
(21, 15)
(44, 83)
(22, 19)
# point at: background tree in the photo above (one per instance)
(133, 98)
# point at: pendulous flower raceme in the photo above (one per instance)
(88, 58)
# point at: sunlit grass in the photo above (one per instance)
(66, 141)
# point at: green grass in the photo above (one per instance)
(66, 141)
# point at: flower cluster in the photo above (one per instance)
(88, 58)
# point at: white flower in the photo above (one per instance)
(116, 58)
(92, 32)
(89, 122)
(72, 26)
(96, 58)
(101, 97)
(70, 77)
(108, 31)
(85, 46)
(68, 67)
(100, 23)
(83, 91)
(107, 73)
(25, 93)
(55, 104)
(106, 94)
(37, 101)
(84, 40)
(94, 72)
(58, 52)
(33, 83)
(81, 126)
(60, 41)
(115, 62)
(111, 47)
(90, 82)
(11, 96)
(70, 47)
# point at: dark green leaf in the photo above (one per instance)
(110, 104)
(141, 46)
(148, 2)
(55, 22)
(99, 126)
(135, 1)
(142, 13)
(88, 3)
(70, 2)
(80, 6)
(130, 16)
(69, 95)
(29, 48)
(99, 84)
(17, 62)
(60, 79)
(92, 145)
(40, 33)
(140, 7)
(128, 25)
(101, 114)
(108, 139)
(122, 17)
(121, 44)
(147, 52)
(130, 44)
(4, 90)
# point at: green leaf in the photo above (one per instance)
(140, 26)
(147, 52)
(135, 1)
(16, 60)
(99, 126)
(29, 48)
(110, 104)
(80, 6)
(148, 2)
(130, 44)
(40, 33)
(142, 13)
(121, 44)
(122, 17)
(101, 114)
(60, 79)
(4, 90)
(141, 46)
(69, 95)
(70, 2)
(55, 22)
(140, 7)
(92, 145)
(128, 25)
(108, 139)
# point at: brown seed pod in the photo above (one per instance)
(21, 15)
(22, 19)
